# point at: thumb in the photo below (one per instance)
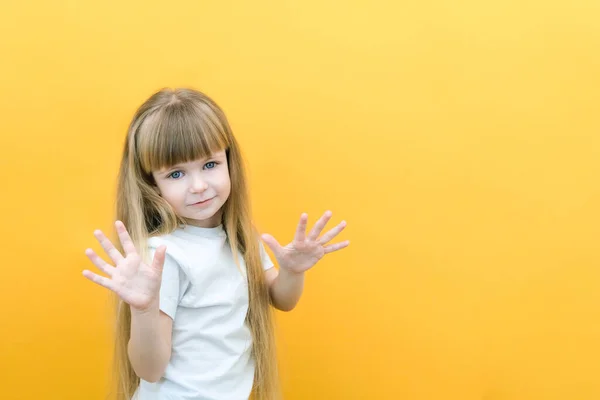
(158, 262)
(272, 243)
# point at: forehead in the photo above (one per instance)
(162, 145)
(220, 155)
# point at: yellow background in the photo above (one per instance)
(460, 140)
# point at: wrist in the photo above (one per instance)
(289, 273)
(151, 310)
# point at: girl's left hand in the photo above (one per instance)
(305, 251)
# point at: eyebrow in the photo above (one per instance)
(216, 155)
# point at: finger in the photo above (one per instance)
(100, 280)
(158, 262)
(328, 236)
(272, 243)
(318, 228)
(124, 238)
(99, 262)
(301, 229)
(108, 247)
(337, 246)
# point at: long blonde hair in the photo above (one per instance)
(171, 127)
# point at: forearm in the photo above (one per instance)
(286, 289)
(149, 352)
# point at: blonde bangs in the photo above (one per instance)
(179, 133)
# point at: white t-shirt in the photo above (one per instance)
(206, 294)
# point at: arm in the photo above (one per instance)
(137, 284)
(294, 259)
(150, 343)
(285, 288)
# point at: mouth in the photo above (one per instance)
(201, 203)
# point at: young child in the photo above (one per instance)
(194, 283)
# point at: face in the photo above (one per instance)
(197, 190)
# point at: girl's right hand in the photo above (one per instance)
(135, 282)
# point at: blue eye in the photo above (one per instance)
(210, 165)
(175, 175)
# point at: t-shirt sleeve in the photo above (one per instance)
(173, 286)
(264, 256)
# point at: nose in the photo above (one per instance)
(198, 185)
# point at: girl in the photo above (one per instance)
(194, 283)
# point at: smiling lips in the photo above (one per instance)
(201, 203)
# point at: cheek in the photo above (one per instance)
(228, 188)
(225, 184)
(170, 192)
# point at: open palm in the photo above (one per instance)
(135, 282)
(306, 250)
